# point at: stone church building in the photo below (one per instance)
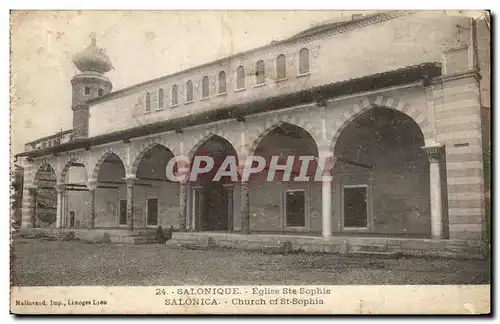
(399, 101)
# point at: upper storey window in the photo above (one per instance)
(189, 91)
(100, 92)
(240, 78)
(222, 82)
(148, 102)
(160, 98)
(86, 91)
(204, 87)
(175, 95)
(260, 72)
(304, 61)
(281, 67)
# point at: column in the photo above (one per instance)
(326, 193)
(434, 154)
(182, 205)
(326, 162)
(59, 211)
(64, 218)
(28, 212)
(92, 185)
(326, 208)
(130, 202)
(183, 168)
(245, 208)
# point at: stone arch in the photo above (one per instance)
(358, 109)
(67, 166)
(202, 138)
(38, 169)
(104, 156)
(275, 122)
(38, 164)
(142, 151)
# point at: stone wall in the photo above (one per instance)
(456, 101)
(377, 47)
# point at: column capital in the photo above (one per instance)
(130, 181)
(434, 152)
(325, 153)
(183, 176)
(60, 187)
(326, 162)
(32, 190)
(241, 168)
(92, 184)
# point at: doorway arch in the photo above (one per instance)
(382, 175)
(213, 199)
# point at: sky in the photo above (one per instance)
(142, 45)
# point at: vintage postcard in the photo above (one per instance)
(250, 162)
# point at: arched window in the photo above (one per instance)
(175, 95)
(204, 87)
(281, 67)
(148, 101)
(86, 91)
(222, 82)
(189, 91)
(260, 73)
(100, 92)
(160, 98)
(304, 61)
(240, 77)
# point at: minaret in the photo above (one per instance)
(90, 83)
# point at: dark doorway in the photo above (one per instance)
(213, 198)
(355, 207)
(295, 203)
(71, 219)
(123, 212)
(152, 211)
(216, 207)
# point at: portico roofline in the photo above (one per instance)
(410, 74)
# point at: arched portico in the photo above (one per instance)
(396, 104)
(382, 179)
(108, 187)
(74, 195)
(275, 121)
(155, 195)
(288, 199)
(43, 195)
(213, 195)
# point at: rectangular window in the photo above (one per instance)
(355, 204)
(152, 216)
(295, 208)
(123, 212)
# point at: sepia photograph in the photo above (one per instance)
(250, 162)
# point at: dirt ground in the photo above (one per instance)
(38, 262)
